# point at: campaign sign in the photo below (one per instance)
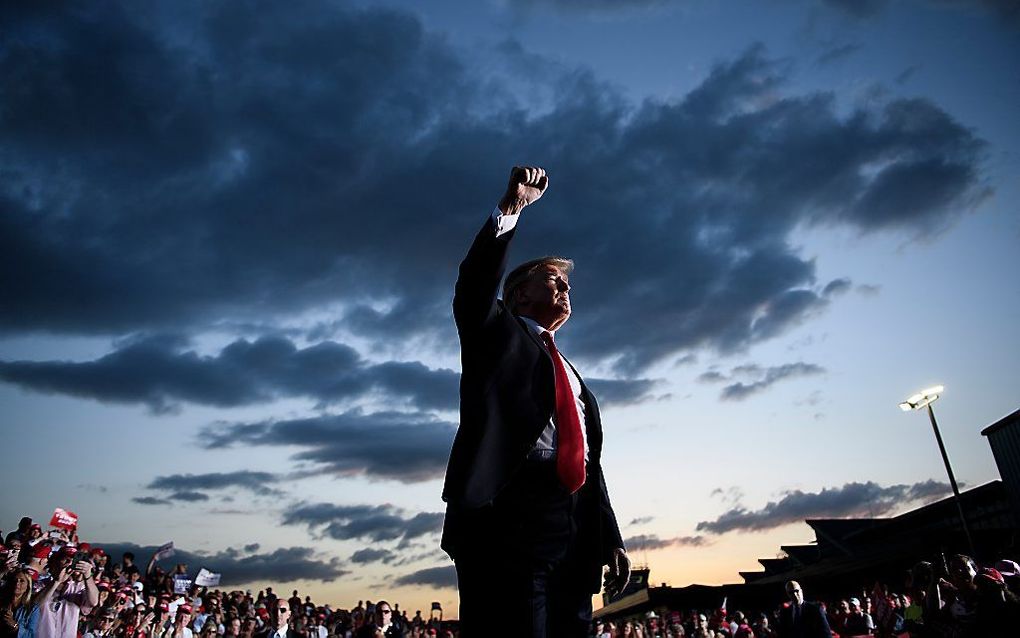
(64, 519)
(207, 578)
(182, 585)
(165, 551)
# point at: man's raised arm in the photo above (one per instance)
(483, 267)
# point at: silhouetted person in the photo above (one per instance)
(802, 619)
(528, 521)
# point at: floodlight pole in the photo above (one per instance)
(952, 479)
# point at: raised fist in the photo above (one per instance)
(527, 184)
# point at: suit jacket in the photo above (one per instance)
(507, 397)
(810, 624)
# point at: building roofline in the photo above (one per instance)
(1001, 423)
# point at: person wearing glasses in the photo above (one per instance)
(382, 625)
(279, 626)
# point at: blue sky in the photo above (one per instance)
(230, 237)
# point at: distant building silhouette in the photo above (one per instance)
(849, 555)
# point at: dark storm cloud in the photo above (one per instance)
(442, 577)
(283, 565)
(381, 445)
(369, 555)
(374, 522)
(159, 371)
(191, 483)
(852, 499)
(224, 165)
(768, 377)
(646, 542)
(1008, 11)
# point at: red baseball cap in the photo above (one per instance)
(991, 574)
(41, 551)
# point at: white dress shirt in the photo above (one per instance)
(547, 440)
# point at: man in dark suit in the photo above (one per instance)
(802, 619)
(279, 622)
(528, 519)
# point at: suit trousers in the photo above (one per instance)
(522, 572)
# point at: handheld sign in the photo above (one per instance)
(64, 519)
(207, 578)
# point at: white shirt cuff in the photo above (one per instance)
(504, 223)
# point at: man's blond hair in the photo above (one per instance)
(525, 271)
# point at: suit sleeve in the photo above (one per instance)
(474, 300)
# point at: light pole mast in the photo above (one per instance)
(924, 399)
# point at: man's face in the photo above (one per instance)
(844, 607)
(545, 296)
(284, 613)
(383, 614)
(795, 593)
(961, 571)
(854, 609)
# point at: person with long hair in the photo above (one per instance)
(18, 616)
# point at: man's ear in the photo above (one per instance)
(520, 296)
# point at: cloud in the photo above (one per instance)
(1007, 11)
(158, 372)
(647, 542)
(642, 520)
(847, 501)
(620, 391)
(836, 287)
(369, 555)
(904, 76)
(711, 376)
(374, 522)
(150, 500)
(190, 483)
(188, 496)
(770, 376)
(282, 565)
(837, 53)
(440, 577)
(407, 447)
(141, 196)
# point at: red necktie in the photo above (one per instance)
(569, 444)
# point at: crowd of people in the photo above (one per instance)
(960, 600)
(53, 585)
